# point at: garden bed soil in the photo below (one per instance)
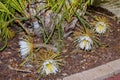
(75, 60)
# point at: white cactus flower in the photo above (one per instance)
(25, 48)
(85, 42)
(100, 27)
(49, 66)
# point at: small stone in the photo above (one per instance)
(59, 79)
(0, 62)
(70, 39)
(64, 74)
(83, 67)
(118, 29)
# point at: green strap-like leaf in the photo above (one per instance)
(4, 9)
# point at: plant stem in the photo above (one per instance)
(50, 34)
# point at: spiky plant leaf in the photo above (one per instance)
(19, 5)
(4, 9)
(6, 32)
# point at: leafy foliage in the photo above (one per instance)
(8, 9)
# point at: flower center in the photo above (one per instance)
(49, 67)
(100, 27)
(85, 42)
(31, 47)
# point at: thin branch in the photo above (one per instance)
(19, 70)
(50, 47)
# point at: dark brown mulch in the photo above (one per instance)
(75, 60)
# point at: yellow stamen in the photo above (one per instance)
(49, 67)
(85, 42)
(100, 27)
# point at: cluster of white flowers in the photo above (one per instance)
(100, 27)
(25, 48)
(85, 42)
(49, 66)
